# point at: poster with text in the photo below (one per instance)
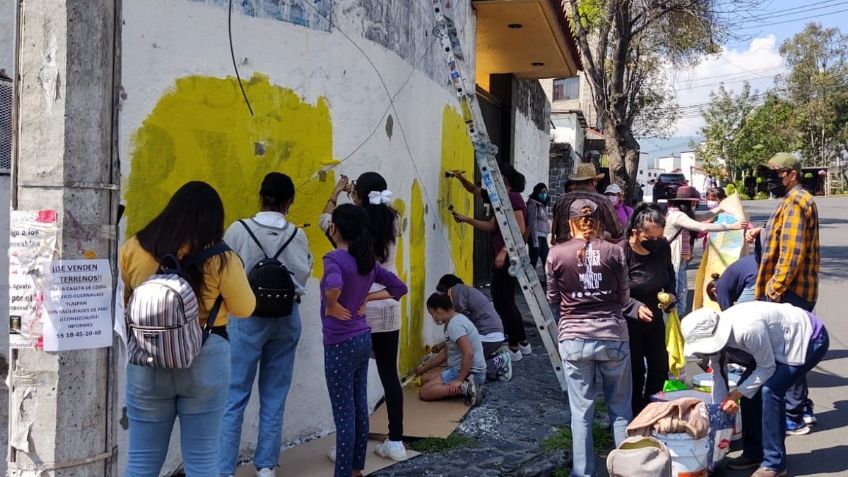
(78, 305)
(32, 247)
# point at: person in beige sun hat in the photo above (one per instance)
(585, 171)
(585, 181)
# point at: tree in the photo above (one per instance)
(769, 129)
(817, 85)
(621, 43)
(725, 116)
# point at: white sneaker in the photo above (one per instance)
(515, 355)
(331, 454)
(266, 472)
(525, 349)
(393, 450)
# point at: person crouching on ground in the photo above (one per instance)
(349, 272)
(587, 277)
(785, 342)
(463, 352)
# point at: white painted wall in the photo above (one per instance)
(668, 163)
(531, 151)
(166, 40)
(567, 129)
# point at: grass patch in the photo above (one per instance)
(561, 472)
(561, 440)
(602, 439)
(433, 445)
(601, 408)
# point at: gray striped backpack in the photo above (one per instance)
(163, 316)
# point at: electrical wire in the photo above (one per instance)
(233, 56)
(793, 20)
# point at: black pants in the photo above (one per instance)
(538, 249)
(503, 297)
(647, 344)
(385, 347)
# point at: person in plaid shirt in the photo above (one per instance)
(789, 266)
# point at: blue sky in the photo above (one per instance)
(754, 57)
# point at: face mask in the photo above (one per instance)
(776, 186)
(613, 198)
(712, 204)
(543, 196)
(651, 245)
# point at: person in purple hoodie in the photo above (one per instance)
(349, 272)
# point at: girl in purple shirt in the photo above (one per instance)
(349, 272)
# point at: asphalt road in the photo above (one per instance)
(824, 452)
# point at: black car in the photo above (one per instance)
(667, 184)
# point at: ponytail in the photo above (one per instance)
(352, 224)
(362, 249)
(712, 287)
(589, 227)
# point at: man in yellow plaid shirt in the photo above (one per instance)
(789, 266)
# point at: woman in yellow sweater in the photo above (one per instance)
(192, 221)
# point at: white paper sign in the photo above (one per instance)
(78, 303)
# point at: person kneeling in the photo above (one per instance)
(463, 352)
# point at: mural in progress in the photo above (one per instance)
(457, 154)
(314, 14)
(412, 327)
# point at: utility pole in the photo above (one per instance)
(62, 414)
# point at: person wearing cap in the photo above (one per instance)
(789, 262)
(680, 220)
(583, 184)
(259, 342)
(587, 278)
(785, 343)
(616, 197)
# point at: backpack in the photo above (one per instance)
(640, 457)
(163, 316)
(272, 282)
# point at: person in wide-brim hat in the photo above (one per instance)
(585, 171)
(687, 193)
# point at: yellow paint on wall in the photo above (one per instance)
(412, 327)
(202, 130)
(457, 154)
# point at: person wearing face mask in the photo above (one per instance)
(616, 198)
(714, 197)
(789, 262)
(650, 271)
(538, 223)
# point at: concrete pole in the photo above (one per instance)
(62, 419)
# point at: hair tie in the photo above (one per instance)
(380, 197)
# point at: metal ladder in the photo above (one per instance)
(484, 155)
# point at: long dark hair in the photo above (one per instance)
(538, 189)
(447, 282)
(352, 224)
(383, 217)
(644, 214)
(193, 220)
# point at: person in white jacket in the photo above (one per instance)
(680, 220)
(784, 342)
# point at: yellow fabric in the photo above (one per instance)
(137, 265)
(673, 336)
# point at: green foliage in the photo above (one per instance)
(725, 118)
(744, 196)
(730, 189)
(808, 175)
(559, 440)
(761, 196)
(602, 438)
(561, 472)
(433, 445)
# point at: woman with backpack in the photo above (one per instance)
(276, 254)
(350, 271)
(370, 192)
(162, 384)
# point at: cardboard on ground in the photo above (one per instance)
(310, 460)
(422, 419)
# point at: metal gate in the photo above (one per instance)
(5, 126)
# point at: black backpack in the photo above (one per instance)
(272, 282)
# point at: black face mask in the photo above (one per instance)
(651, 245)
(775, 186)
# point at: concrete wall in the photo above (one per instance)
(531, 143)
(321, 108)
(7, 36)
(7, 62)
(567, 129)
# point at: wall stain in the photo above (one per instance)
(218, 145)
(457, 154)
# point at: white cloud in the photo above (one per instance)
(758, 64)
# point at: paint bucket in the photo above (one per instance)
(704, 381)
(689, 457)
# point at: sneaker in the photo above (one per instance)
(766, 472)
(525, 348)
(266, 472)
(809, 417)
(331, 454)
(515, 355)
(797, 429)
(504, 365)
(393, 450)
(472, 394)
(742, 463)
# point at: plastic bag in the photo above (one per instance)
(673, 336)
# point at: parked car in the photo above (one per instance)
(666, 185)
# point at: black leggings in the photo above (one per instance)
(503, 297)
(385, 347)
(647, 344)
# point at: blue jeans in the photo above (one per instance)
(156, 397)
(269, 343)
(746, 296)
(763, 416)
(682, 290)
(581, 360)
(449, 375)
(346, 370)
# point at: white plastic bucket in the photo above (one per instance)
(705, 381)
(688, 456)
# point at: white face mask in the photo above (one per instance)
(613, 198)
(712, 204)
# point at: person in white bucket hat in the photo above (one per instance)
(785, 342)
(616, 197)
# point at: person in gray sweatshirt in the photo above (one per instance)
(266, 342)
